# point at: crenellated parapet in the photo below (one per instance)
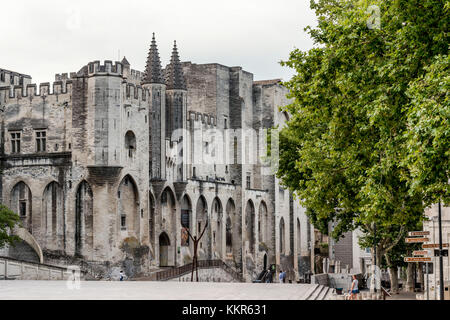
(58, 89)
(203, 118)
(105, 69)
(135, 93)
(135, 76)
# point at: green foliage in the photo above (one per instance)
(8, 220)
(429, 132)
(343, 151)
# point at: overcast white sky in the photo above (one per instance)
(44, 37)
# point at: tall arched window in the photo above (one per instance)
(282, 237)
(130, 143)
(21, 204)
(186, 211)
(250, 225)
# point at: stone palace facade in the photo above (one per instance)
(107, 167)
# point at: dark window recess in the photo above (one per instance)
(15, 142)
(142, 213)
(23, 208)
(185, 215)
(248, 182)
(41, 140)
(123, 222)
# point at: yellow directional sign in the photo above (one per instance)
(417, 259)
(434, 245)
(410, 240)
(418, 233)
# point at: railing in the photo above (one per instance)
(187, 268)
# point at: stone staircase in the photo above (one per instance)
(319, 292)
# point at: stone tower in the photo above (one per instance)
(176, 109)
(153, 81)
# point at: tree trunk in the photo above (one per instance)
(409, 278)
(393, 275)
(420, 276)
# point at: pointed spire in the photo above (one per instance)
(153, 70)
(174, 71)
(125, 61)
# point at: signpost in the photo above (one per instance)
(418, 233)
(418, 237)
(412, 240)
(420, 253)
(417, 259)
(434, 245)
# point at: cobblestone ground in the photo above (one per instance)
(151, 290)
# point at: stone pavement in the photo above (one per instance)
(152, 290)
(403, 296)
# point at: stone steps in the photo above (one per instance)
(323, 292)
(318, 292)
(310, 293)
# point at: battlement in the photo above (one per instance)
(65, 76)
(136, 75)
(203, 118)
(30, 90)
(107, 68)
(136, 92)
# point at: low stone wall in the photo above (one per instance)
(335, 280)
(321, 278)
(12, 269)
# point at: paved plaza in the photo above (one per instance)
(151, 290)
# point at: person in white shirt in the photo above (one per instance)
(354, 290)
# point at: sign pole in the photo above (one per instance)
(441, 262)
(428, 286)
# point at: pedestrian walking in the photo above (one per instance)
(354, 290)
(121, 276)
(282, 276)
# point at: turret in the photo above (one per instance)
(153, 81)
(176, 107)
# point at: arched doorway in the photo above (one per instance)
(204, 248)
(216, 226)
(282, 237)
(128, 208)
(168, 210)
(52, 212)
(233, 232)
(164, 245)
(265, 262)
(186, 212)
(83, 219)
(263, 224)
(250, 226)
(151, 220)
(21, 200)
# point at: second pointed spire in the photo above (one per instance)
(153, 70)
(174, 71)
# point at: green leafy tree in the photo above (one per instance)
(429, 132)
(8, 220)
(343, 150)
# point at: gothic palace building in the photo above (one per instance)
(107, 166)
